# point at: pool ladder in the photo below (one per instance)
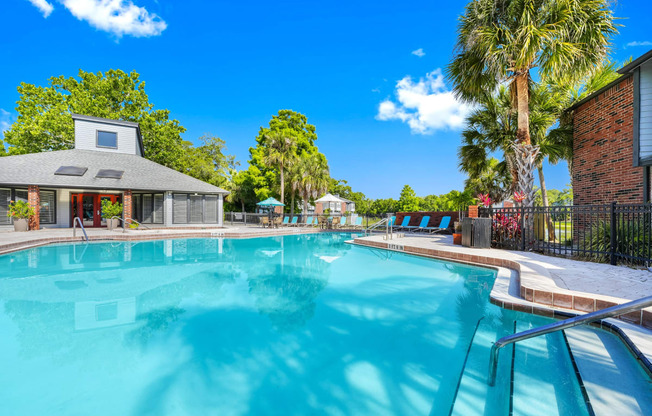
(76, 221)
(617, 310)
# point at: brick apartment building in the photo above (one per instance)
(612, 139)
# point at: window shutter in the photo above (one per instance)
(180, 209)
(47, 207)
(210, 209)
(5, 197)
(157, 216)
(196, 208)
(147, 208)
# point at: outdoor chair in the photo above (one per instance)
(277, 222)
(294, 221)
(443, 225)
(404, 224)
(286, 220)
(342, 223)
(357, 223)
(422, 226)
(308, 221)
(264, 222)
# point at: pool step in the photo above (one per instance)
(545, 382)
(473, 395)
(614, 382)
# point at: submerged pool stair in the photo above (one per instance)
(581, 371)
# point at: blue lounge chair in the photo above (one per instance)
(443, 225)
(358, 223)
(294, 221)
(422, 226)
(342, 223)
(404, 224)
(286, 220)
(392, 220)
(308, 221)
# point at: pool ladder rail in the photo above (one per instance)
(76, 221)
(617, 310)
(389, 231)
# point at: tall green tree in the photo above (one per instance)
(408, 201)
(44, 121)
(314, 178)
(289, 123)
(281, 154)
(503, 40)
(208, 161)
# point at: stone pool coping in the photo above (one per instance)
(511, 285)
(11, 241)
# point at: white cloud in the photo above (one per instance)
(45, 7)
(120, 17)
(425, 105)
(640, 43)
(419, 52)
(5, 120)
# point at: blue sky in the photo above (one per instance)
(225, 68)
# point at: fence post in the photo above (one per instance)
(522, 227)
(613, 231)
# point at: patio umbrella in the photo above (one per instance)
(270, 202)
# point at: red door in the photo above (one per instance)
(88, 207)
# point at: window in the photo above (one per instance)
(48, 207)
(148, 208)
(195, 209)
(107, 139)
(5, 197)
(180, 209)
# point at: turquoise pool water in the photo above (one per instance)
(294, 325)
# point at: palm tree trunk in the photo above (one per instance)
(523, 108)
(292, 204)
(544, 197)
(282, 186)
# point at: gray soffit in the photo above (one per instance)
(139, 173)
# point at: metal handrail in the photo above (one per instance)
(376, 225)
(124, 222)
(558, 326)
(75, 221)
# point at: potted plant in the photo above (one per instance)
(110, 210)
(21, 212)
(457, 234)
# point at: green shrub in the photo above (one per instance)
(20, 210)
(111, 209)
(629, 240)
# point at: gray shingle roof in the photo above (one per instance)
(140, 174)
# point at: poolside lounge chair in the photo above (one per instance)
(308, 221)
(422, 226)
(342, 223)
(264, 221)
(392, 220)
(277, 222)
(294, 221)
(286, 221)
(357, 223)
(404, 224)
(443, 225)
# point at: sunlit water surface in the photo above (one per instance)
(291, 325)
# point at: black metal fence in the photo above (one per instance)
(610, 233)
(315, 220)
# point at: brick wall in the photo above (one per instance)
(603, 170)
(435, 218)
(34, 201)
(127, 206)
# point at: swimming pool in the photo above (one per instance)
(290, 325)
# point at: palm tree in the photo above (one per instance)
(281, 153)
(503, 40)
(295, 177)
(315, 178)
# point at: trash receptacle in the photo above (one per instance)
(476, 232)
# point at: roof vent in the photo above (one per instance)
(110, 173)
(71, 171)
